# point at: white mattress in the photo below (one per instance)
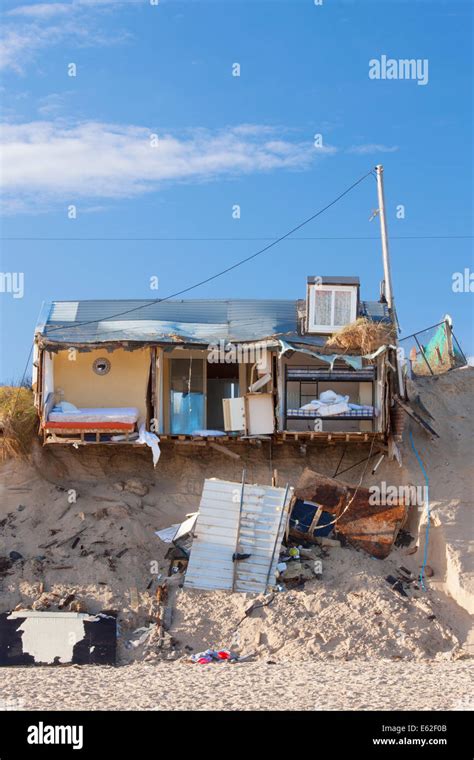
(117, 414)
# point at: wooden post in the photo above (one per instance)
(238, 528)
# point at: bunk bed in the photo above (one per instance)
(307, 379)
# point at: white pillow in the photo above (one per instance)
(67, 407)
(329, 397)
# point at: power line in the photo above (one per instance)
(224, 271)
(22, 381)
(129, 239)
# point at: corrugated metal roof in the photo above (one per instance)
(195, 321)
(219, 533)
(192, 321)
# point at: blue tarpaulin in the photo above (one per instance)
(302, 515)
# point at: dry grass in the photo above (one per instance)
(362, 337)
(18, 421)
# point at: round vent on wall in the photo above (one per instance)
(101, 366)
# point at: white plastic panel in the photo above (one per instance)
(219, 534)
(259, 413)
(234, 413)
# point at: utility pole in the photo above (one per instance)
(387, 270)
(384, 237)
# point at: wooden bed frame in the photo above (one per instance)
(76, 431)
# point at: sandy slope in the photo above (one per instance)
(349, 618)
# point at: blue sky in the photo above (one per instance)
(225, 140)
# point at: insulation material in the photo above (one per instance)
(231, 522)
(29, 637)
(48, 376)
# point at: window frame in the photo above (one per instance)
(330, 328)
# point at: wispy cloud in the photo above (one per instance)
(365, 150)
(41, 10)
(19, 44)
(48, 10)
(58, 162)
(39, 26)
(54, 104)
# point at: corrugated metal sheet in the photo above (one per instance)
(195, 321)
(64, 311)
(192, 321)
(220, 533)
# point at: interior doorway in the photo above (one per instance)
(222, 382)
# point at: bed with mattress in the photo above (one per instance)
(67, 417)
(362, 413)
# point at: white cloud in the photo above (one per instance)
(18, 45)
(39, 26)
(56, 162)
(47, 10)
(364, 150)
(41, 10)
(52, 105)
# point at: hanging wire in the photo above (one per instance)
(427, 504)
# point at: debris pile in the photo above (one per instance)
(327, 597)
(362, 336)
(213, 655)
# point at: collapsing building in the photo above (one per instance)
(111, 372)
(321, 370)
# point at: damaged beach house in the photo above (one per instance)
(221, 373)
(217, 370)
(321, 370)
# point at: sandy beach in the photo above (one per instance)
(356, 685)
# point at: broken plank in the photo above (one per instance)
(224, 450)
(71, 538)
(415, 416)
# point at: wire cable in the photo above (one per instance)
(209, 239)
(22, 381)
(336, 519)
(223, 271)
(207, 279)
(427, 503)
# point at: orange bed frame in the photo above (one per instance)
(91, 426)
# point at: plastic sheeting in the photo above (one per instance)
(152, 441)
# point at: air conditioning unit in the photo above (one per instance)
(331, 303)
